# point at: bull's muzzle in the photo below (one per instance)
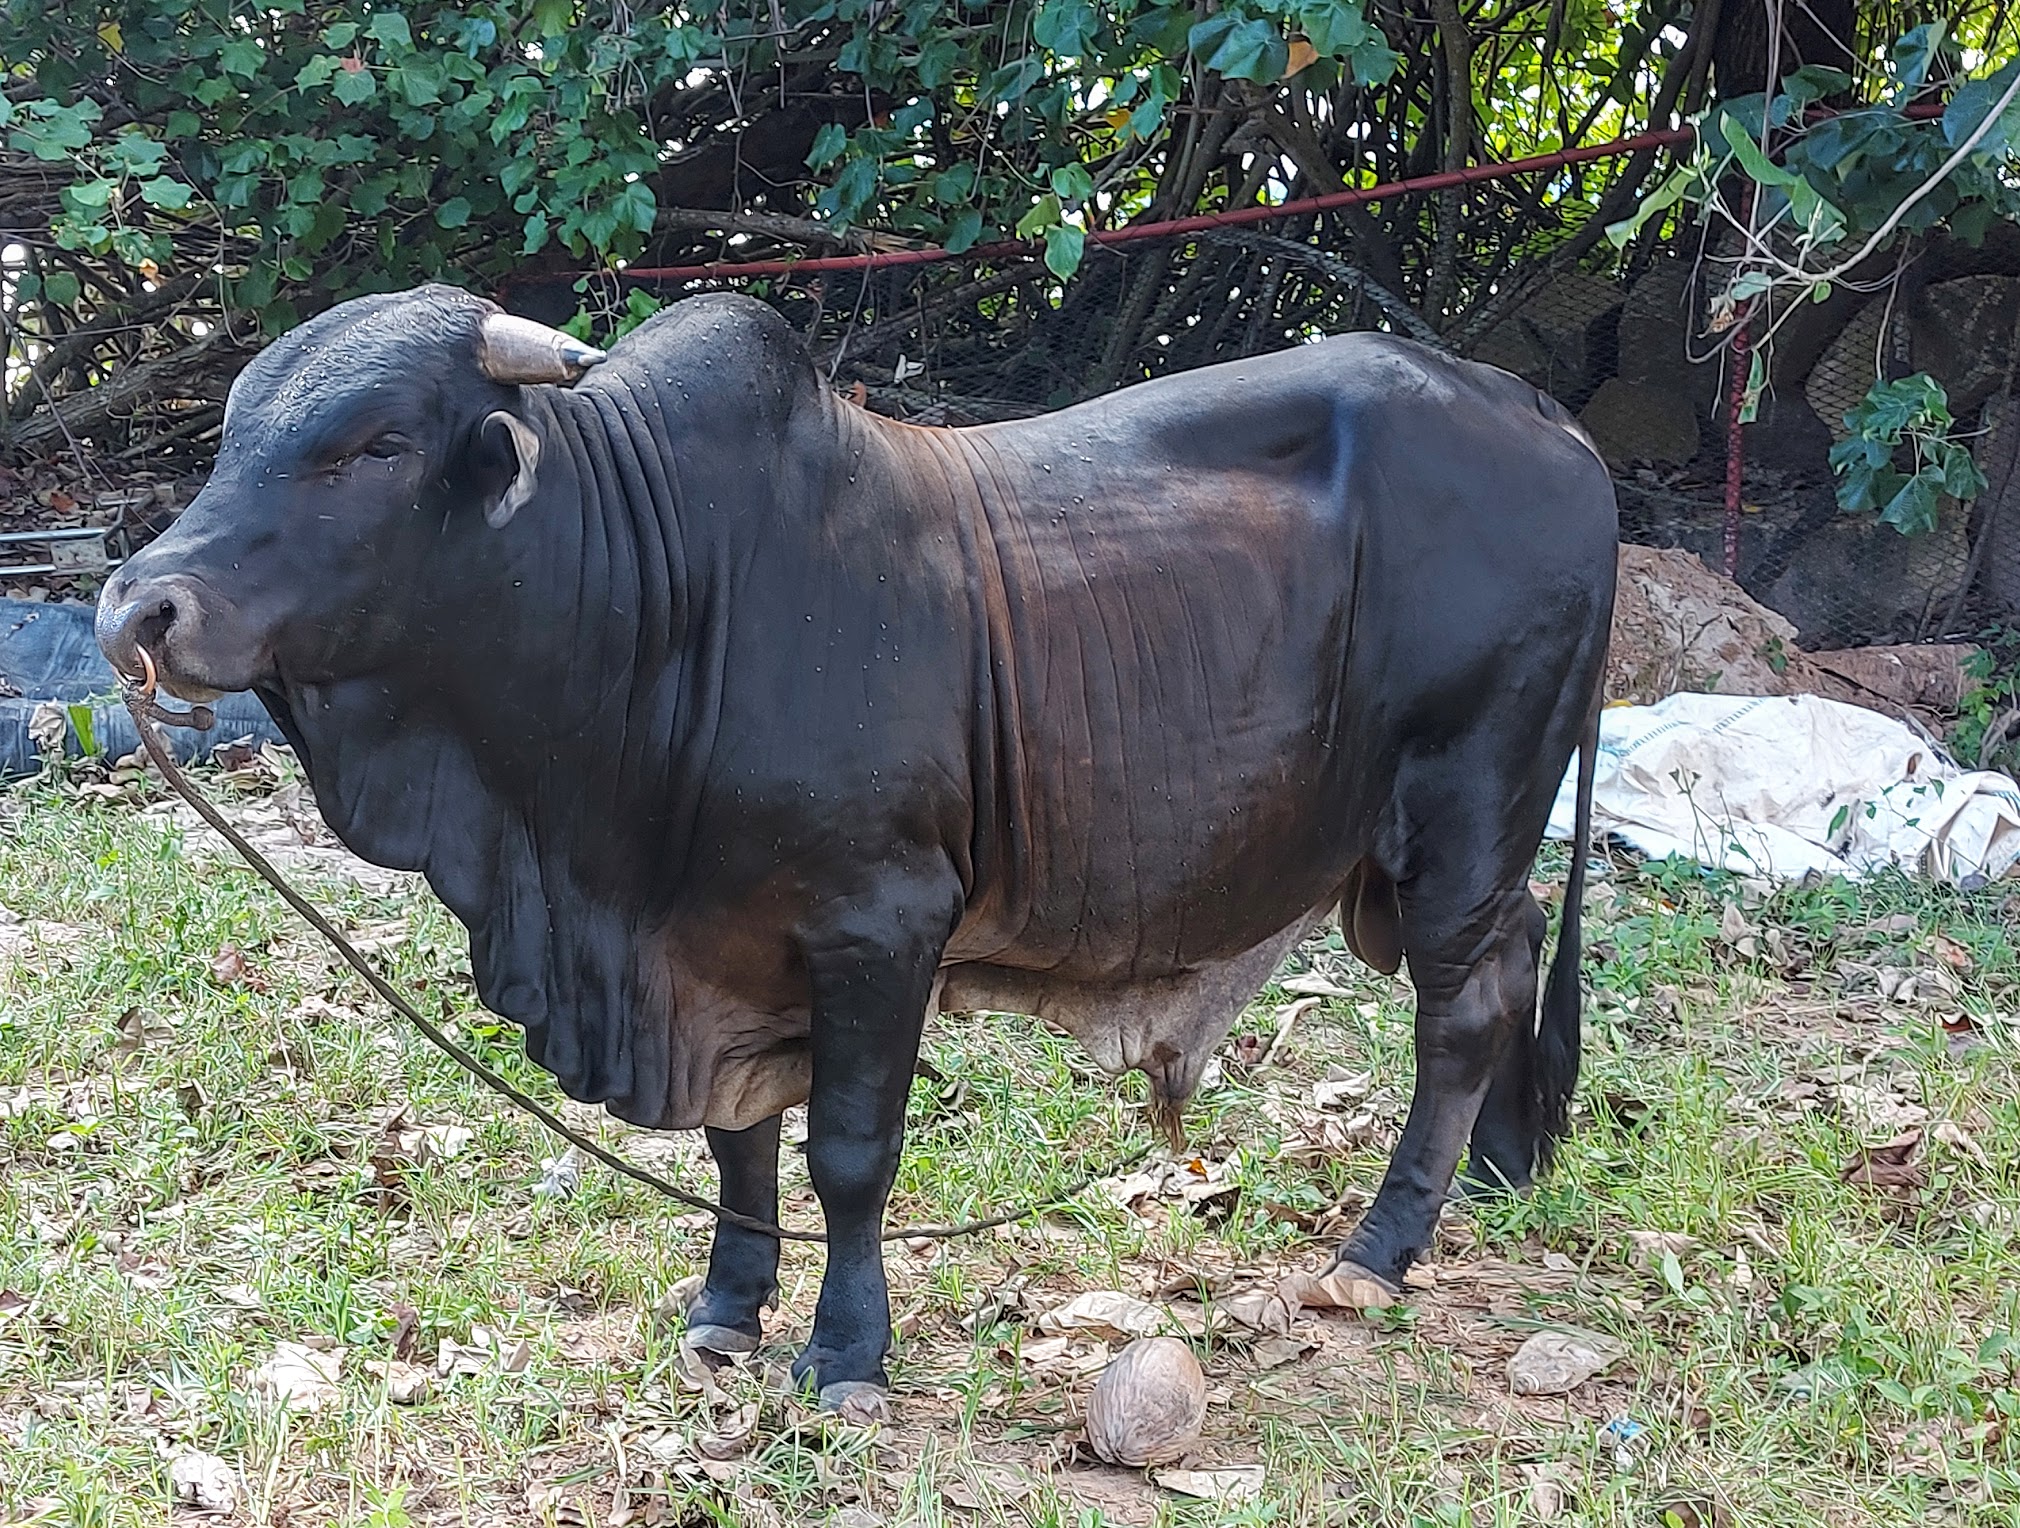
(167, 615)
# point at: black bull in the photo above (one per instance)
(743, 729)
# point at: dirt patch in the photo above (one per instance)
(1679, 627)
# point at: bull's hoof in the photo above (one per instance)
(706, 1337)
(855, 1401)
(1346, 1269)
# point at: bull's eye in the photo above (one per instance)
(386, 447)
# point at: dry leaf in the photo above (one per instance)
(1302, 56)
(485, 1351)
(1338, 1092)
(1887, 1166)
(139, 1028)
(732, 1437)
(1556, 1363)
(1106, 1310)
(299, 1377)
(203, 1481)
(978, 1485)
(1649, 1246)
(406, 1384)
(1260, 1310)
(229, 968)
(1957, 1138)
(1238, 1482)
(1275, 1352)
(1341, 1289)
(1952, 954)
(1311, 984)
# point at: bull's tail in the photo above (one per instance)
(1553, 1069)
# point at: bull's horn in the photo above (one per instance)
(514, 349)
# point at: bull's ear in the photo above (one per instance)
(505, 462)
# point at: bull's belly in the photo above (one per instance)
(741, 1065)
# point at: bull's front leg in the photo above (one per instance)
(743, 1266)
(872, 978)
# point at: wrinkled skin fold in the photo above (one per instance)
(742, 728)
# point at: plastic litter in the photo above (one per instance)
(48, 654)
(1779, 787)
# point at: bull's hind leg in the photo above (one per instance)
(1473, 963)
(743, 1266)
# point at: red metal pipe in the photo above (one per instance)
(1444, 180)
(1739, 359)
(1667, 137)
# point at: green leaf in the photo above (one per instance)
(354, 87)
(453, 213)
(1072, 184)
(536, 234)
(1962, 479)
(1065, 27)
(1658, 201)
(828, 145)
(169, 195)
(1044, 214)
(80, 723)
(90, 195)
(1756, 385)
(1973, 102)
(636, 207)
(1241, 49)
(1064, 245)
(1912, 509)
(964, 230)
(1752, 160)
(1916, 53)
(390, 28)
(340, 36)
(62, 288)
(1813, 82)
(241, 56)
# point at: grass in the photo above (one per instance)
(205, 1154)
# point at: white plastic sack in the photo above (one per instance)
(1778, 786)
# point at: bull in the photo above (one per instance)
(744, 730)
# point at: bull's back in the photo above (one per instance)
(1206, 594)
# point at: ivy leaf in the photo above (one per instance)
(1044, 214)
(1912, 509)
(340, 36)
(536, 234)
(828, 145)
(1065, 27)
(1072, 184)
(353, 87)
(89, 195)
(1971, 104)
(62, 288)
(964, 230)
(241, 56)
(1916, 53)
(453, 213)
(636, 207)
(165, 193)
(1335, 28)
(390, 28)
(1064, 245)
(55, 132)
(1240, 49)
